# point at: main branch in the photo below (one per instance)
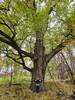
(8, 40)
(60, 47)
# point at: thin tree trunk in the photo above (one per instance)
(69, 69)
(11, 75)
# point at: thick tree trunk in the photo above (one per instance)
(38, 77)
(38, 74)
(37, 82)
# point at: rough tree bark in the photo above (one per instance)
(38, 73)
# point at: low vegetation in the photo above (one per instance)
(56, 91)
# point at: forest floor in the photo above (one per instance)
(56, 91)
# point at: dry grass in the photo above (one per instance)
(17, 92)
(22, 92)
